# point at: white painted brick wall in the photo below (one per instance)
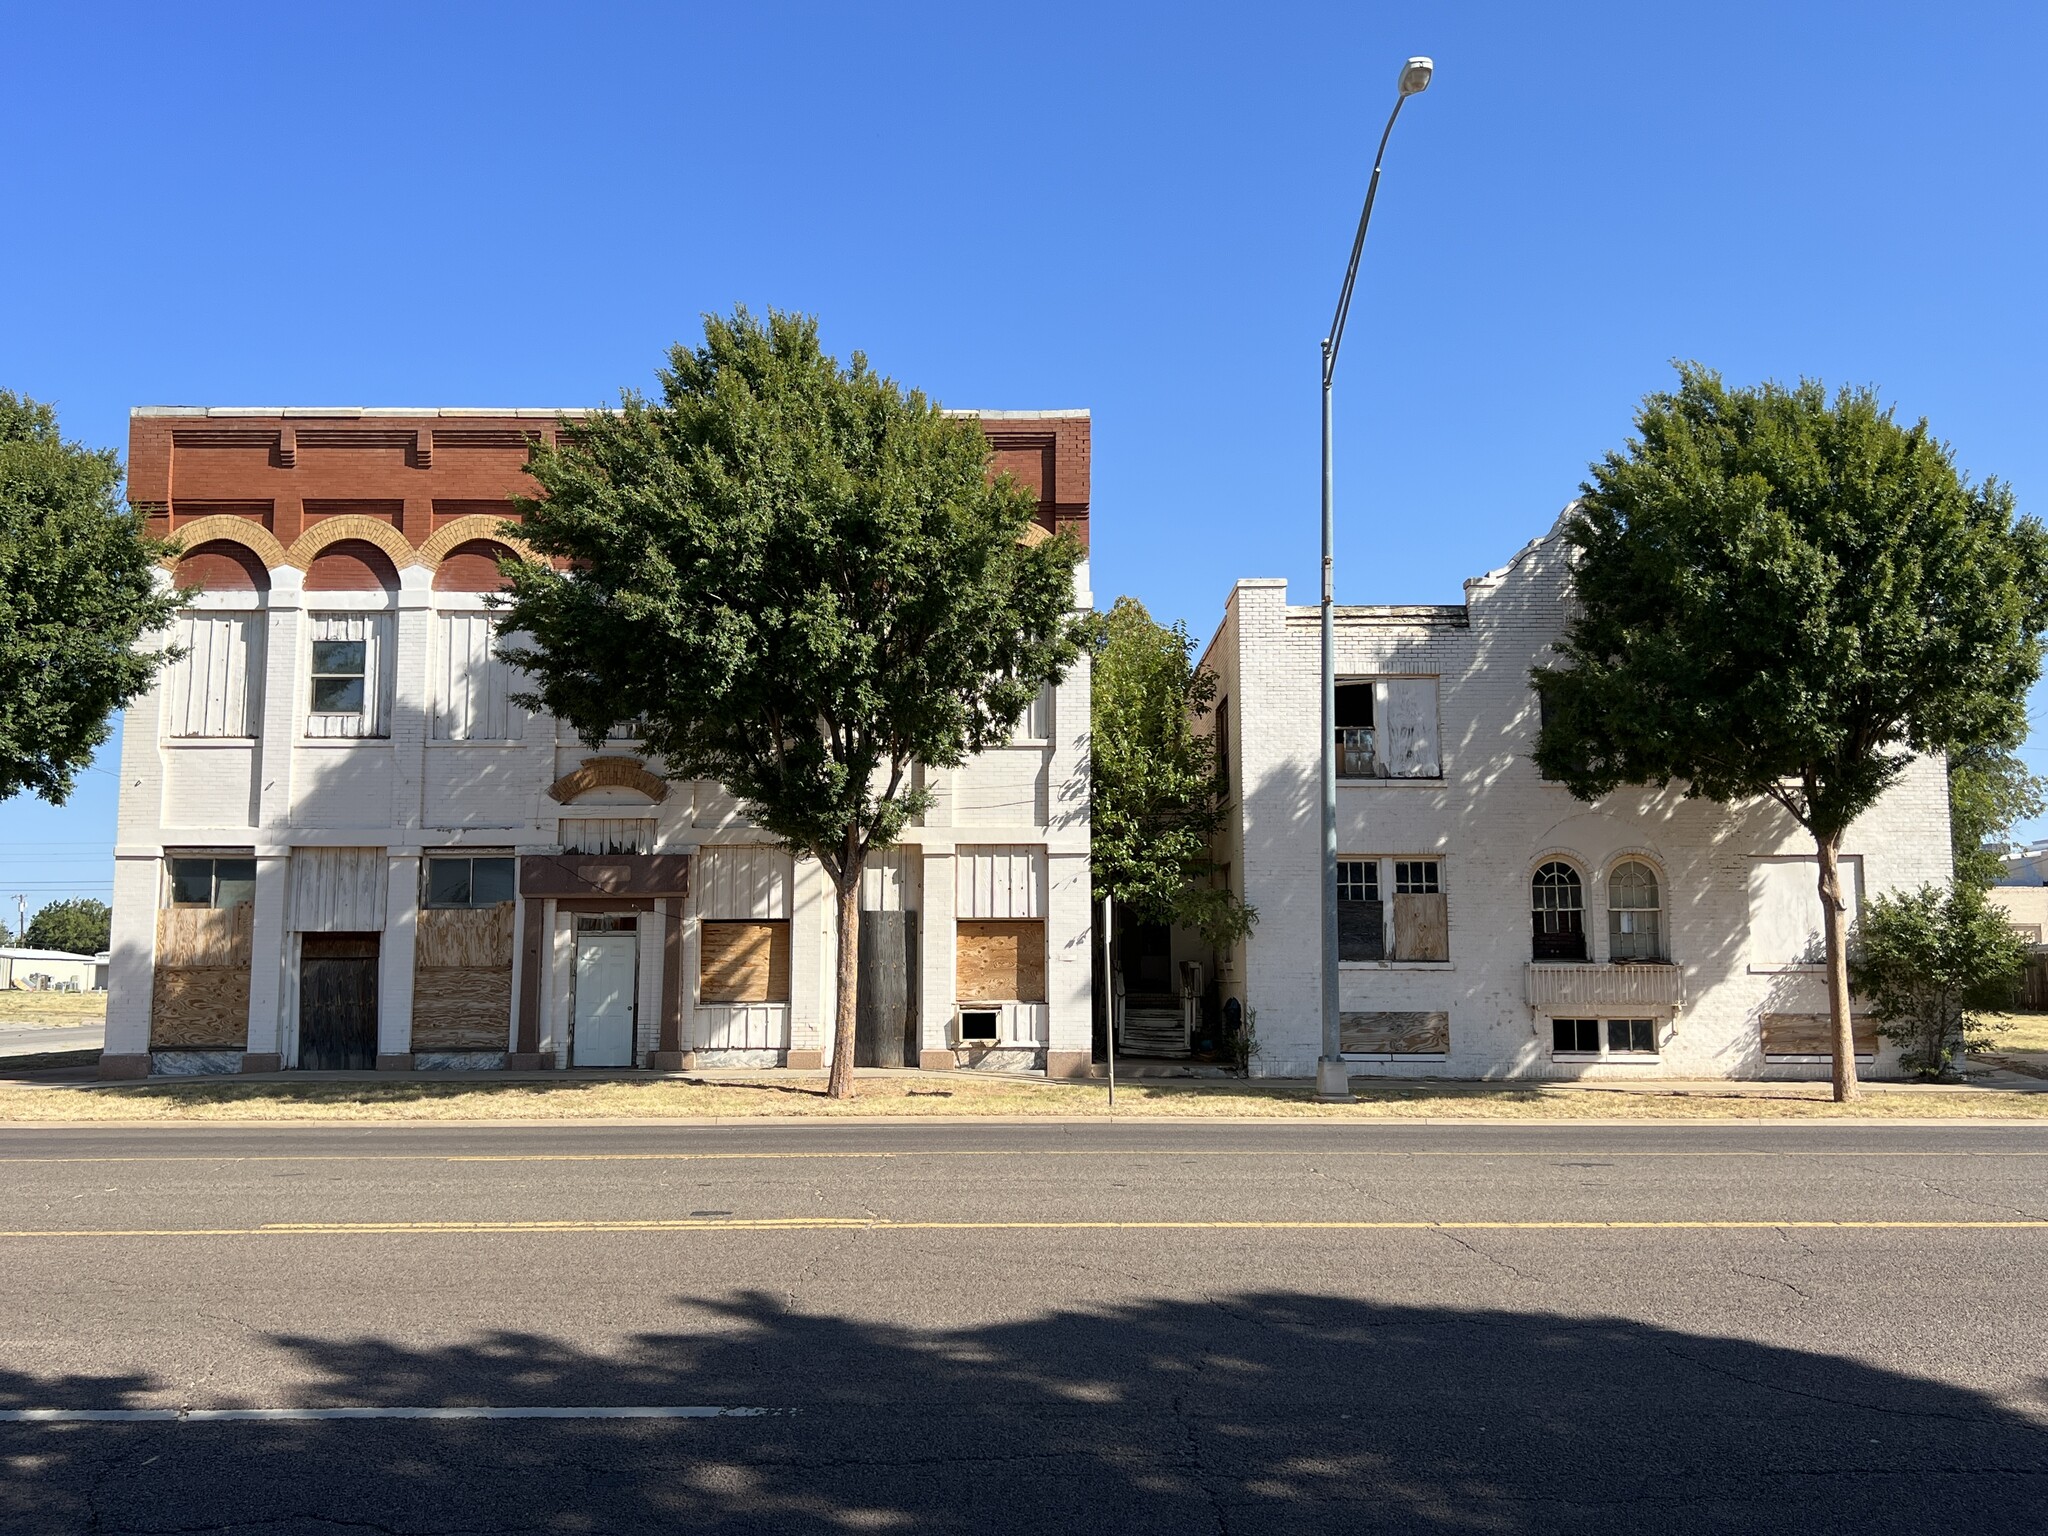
(1492, 819)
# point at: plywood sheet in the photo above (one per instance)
(1812, 1034)
(462, 1008)
(1000, 962)
(199, 1008)
(1396, 1034)
(743, 962)
(204, 936)
(1422, 928)
(476, 936)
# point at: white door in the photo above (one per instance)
(604, 1000)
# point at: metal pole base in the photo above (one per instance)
(1333, 1082)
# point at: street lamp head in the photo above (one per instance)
(1415, 76)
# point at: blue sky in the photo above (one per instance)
(1143, 209)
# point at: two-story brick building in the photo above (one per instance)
(343, 844)
(1491, 925)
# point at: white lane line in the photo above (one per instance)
(246, 1415)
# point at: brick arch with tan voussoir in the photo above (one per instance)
(608, 773)
(252, 536)
(333, 530)
(462, 531)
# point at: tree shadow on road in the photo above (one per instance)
(1254, 1412)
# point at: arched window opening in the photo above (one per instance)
(220, 565)
(471, 567)
(1635, 913)
(1558, 909)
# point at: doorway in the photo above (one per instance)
(607, 970)
(885, 1004)
(338, 1002)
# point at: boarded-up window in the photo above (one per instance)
(743, 962)
(1000, 962)
(462, 981)
(216, 687)
(472, 688)
(999, 880)
(1422, 925)
(1396, 1034)
(1408, 732)
(1812, 1034)
(1361, 915)
(201, 995)
(1784, 909)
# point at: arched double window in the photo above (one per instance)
(1557, 901)
(1635, 913)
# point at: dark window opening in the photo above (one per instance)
(212, 882)
(1636, 1036)
(978, 1026)
(1417, 877)
(468, 882)
(1575, 1036)
(1558, 913)
(1354, 731)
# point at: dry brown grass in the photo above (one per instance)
(228, 1099)
(52, 1008)
(2022, 1032)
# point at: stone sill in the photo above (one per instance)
(1395, 965)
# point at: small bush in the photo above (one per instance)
(1933, 963)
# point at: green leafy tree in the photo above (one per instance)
(1933, 963)
(77, 590)
(1989, 789)
(1786, 596)
(800, 581)
(82, 927)
(1156, 807)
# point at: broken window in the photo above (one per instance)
(1635, 916)
(1361, 917)
(1558, 911)
(1354, 730)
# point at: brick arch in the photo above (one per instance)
(219, 565)
(608, 773)
(333, 530)
(464, 529)
(252, 536)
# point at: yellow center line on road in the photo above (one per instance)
(922, 1153)
(885, 1224)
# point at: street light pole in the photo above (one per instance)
(1333, 1077)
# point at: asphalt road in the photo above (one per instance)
(32, 1039)
(1150, 1328)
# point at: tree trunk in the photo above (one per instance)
(1834, 923)
(840, 1084)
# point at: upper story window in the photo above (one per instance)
(215, 688)
(212, 881)
(1037, 722)
(1558, 908)
(1635, 913)
(468, 881)
(1387, 729)
(473, 689)
(1223, 746)
(1355, 738)
(349, 670)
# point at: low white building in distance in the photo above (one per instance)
(343, 845)
(1492, 925)
(49, 970)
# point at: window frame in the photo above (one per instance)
(1539, 912)
(315, 675)
(1661, 943)
(214, 882)
(1602, 1032)
(1418, 877)
(465, 856)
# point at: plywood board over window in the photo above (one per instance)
(1422, 927)
(1396, 1034)
(200, 999)
(743, 962)
(462, 981)
(1000, 961)
(1812, 1034)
